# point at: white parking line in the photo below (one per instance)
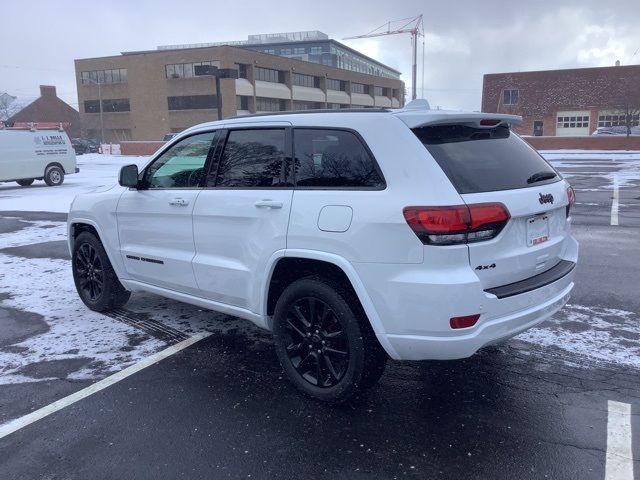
(614, 203)
(619, 463)
(14, 425)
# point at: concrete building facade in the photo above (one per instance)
(572, 102)
(145, 95)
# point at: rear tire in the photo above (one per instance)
(25, 182)
(54, 176)
(96, 281)
(324, 343)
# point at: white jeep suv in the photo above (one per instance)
(352, 235)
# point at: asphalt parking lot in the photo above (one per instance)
(560, 402)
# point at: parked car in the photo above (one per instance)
(352, 235)
(617, 130)
(82, 146)
(27, 155)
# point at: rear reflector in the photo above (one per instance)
(458, 223)
(571, 196)
(464, 322)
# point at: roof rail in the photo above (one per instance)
(320, 110)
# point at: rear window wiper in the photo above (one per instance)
(540, 176)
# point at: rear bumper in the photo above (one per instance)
(417, 347)
(414, 303)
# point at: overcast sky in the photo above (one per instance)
(464, 39)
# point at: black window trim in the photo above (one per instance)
(362, 142)
(142, 180)
(222, 143)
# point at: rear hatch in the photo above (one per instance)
(488, 164)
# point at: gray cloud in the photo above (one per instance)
(465, 39)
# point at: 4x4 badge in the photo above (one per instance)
(548, 198)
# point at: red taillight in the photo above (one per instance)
(489, 122)
(458, 223)
(464, 322)
(571, 195)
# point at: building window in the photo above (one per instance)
(242, 102)
(306, 105)
(395, 93)
(116, 105)
(299, 50)
(306, 80)
(264, 104)
(510, 97)
(242, 70)
(359, 88)
(577, 121)
(338, 85)
(381, 91)
(192, 102)
(269, 75)
(91, 106)
(614, 119)
(315, 50)
(184, 70)
(114, 75)
(111, 105)
(334, 106)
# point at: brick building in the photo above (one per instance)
(145, 95)
(47, 108)
(572, 102)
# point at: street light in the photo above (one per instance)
(218, 73)
(100, 107)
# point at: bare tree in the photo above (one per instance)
(628, 103)
(7, 106)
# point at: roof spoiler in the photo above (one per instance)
(416, 119)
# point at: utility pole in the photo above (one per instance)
(218, 73)
(414, 26)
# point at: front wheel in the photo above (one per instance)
(54, 176)
(323, 341)
(25, 182)
(96, 281)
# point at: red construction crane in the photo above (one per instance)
(415, 27)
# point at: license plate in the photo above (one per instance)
(537, 230)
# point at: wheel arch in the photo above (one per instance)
(79, 225)
(53, 164)
(292, 265)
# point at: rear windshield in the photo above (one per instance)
(485, 160)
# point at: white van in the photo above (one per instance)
(27, 155)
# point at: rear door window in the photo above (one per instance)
(485, 160)
(328, 158)
(254, 158)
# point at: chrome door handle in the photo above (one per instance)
(178, 202)
(268, 204)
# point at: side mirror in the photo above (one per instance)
(128, 176)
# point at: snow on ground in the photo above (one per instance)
(620, 168)
(96, 172)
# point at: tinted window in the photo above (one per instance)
(191, 102)
(182, 165)
(484, 160)
(253, 159)
(333, 158)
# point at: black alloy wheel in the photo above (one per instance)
(317, 344)
(90, 272)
